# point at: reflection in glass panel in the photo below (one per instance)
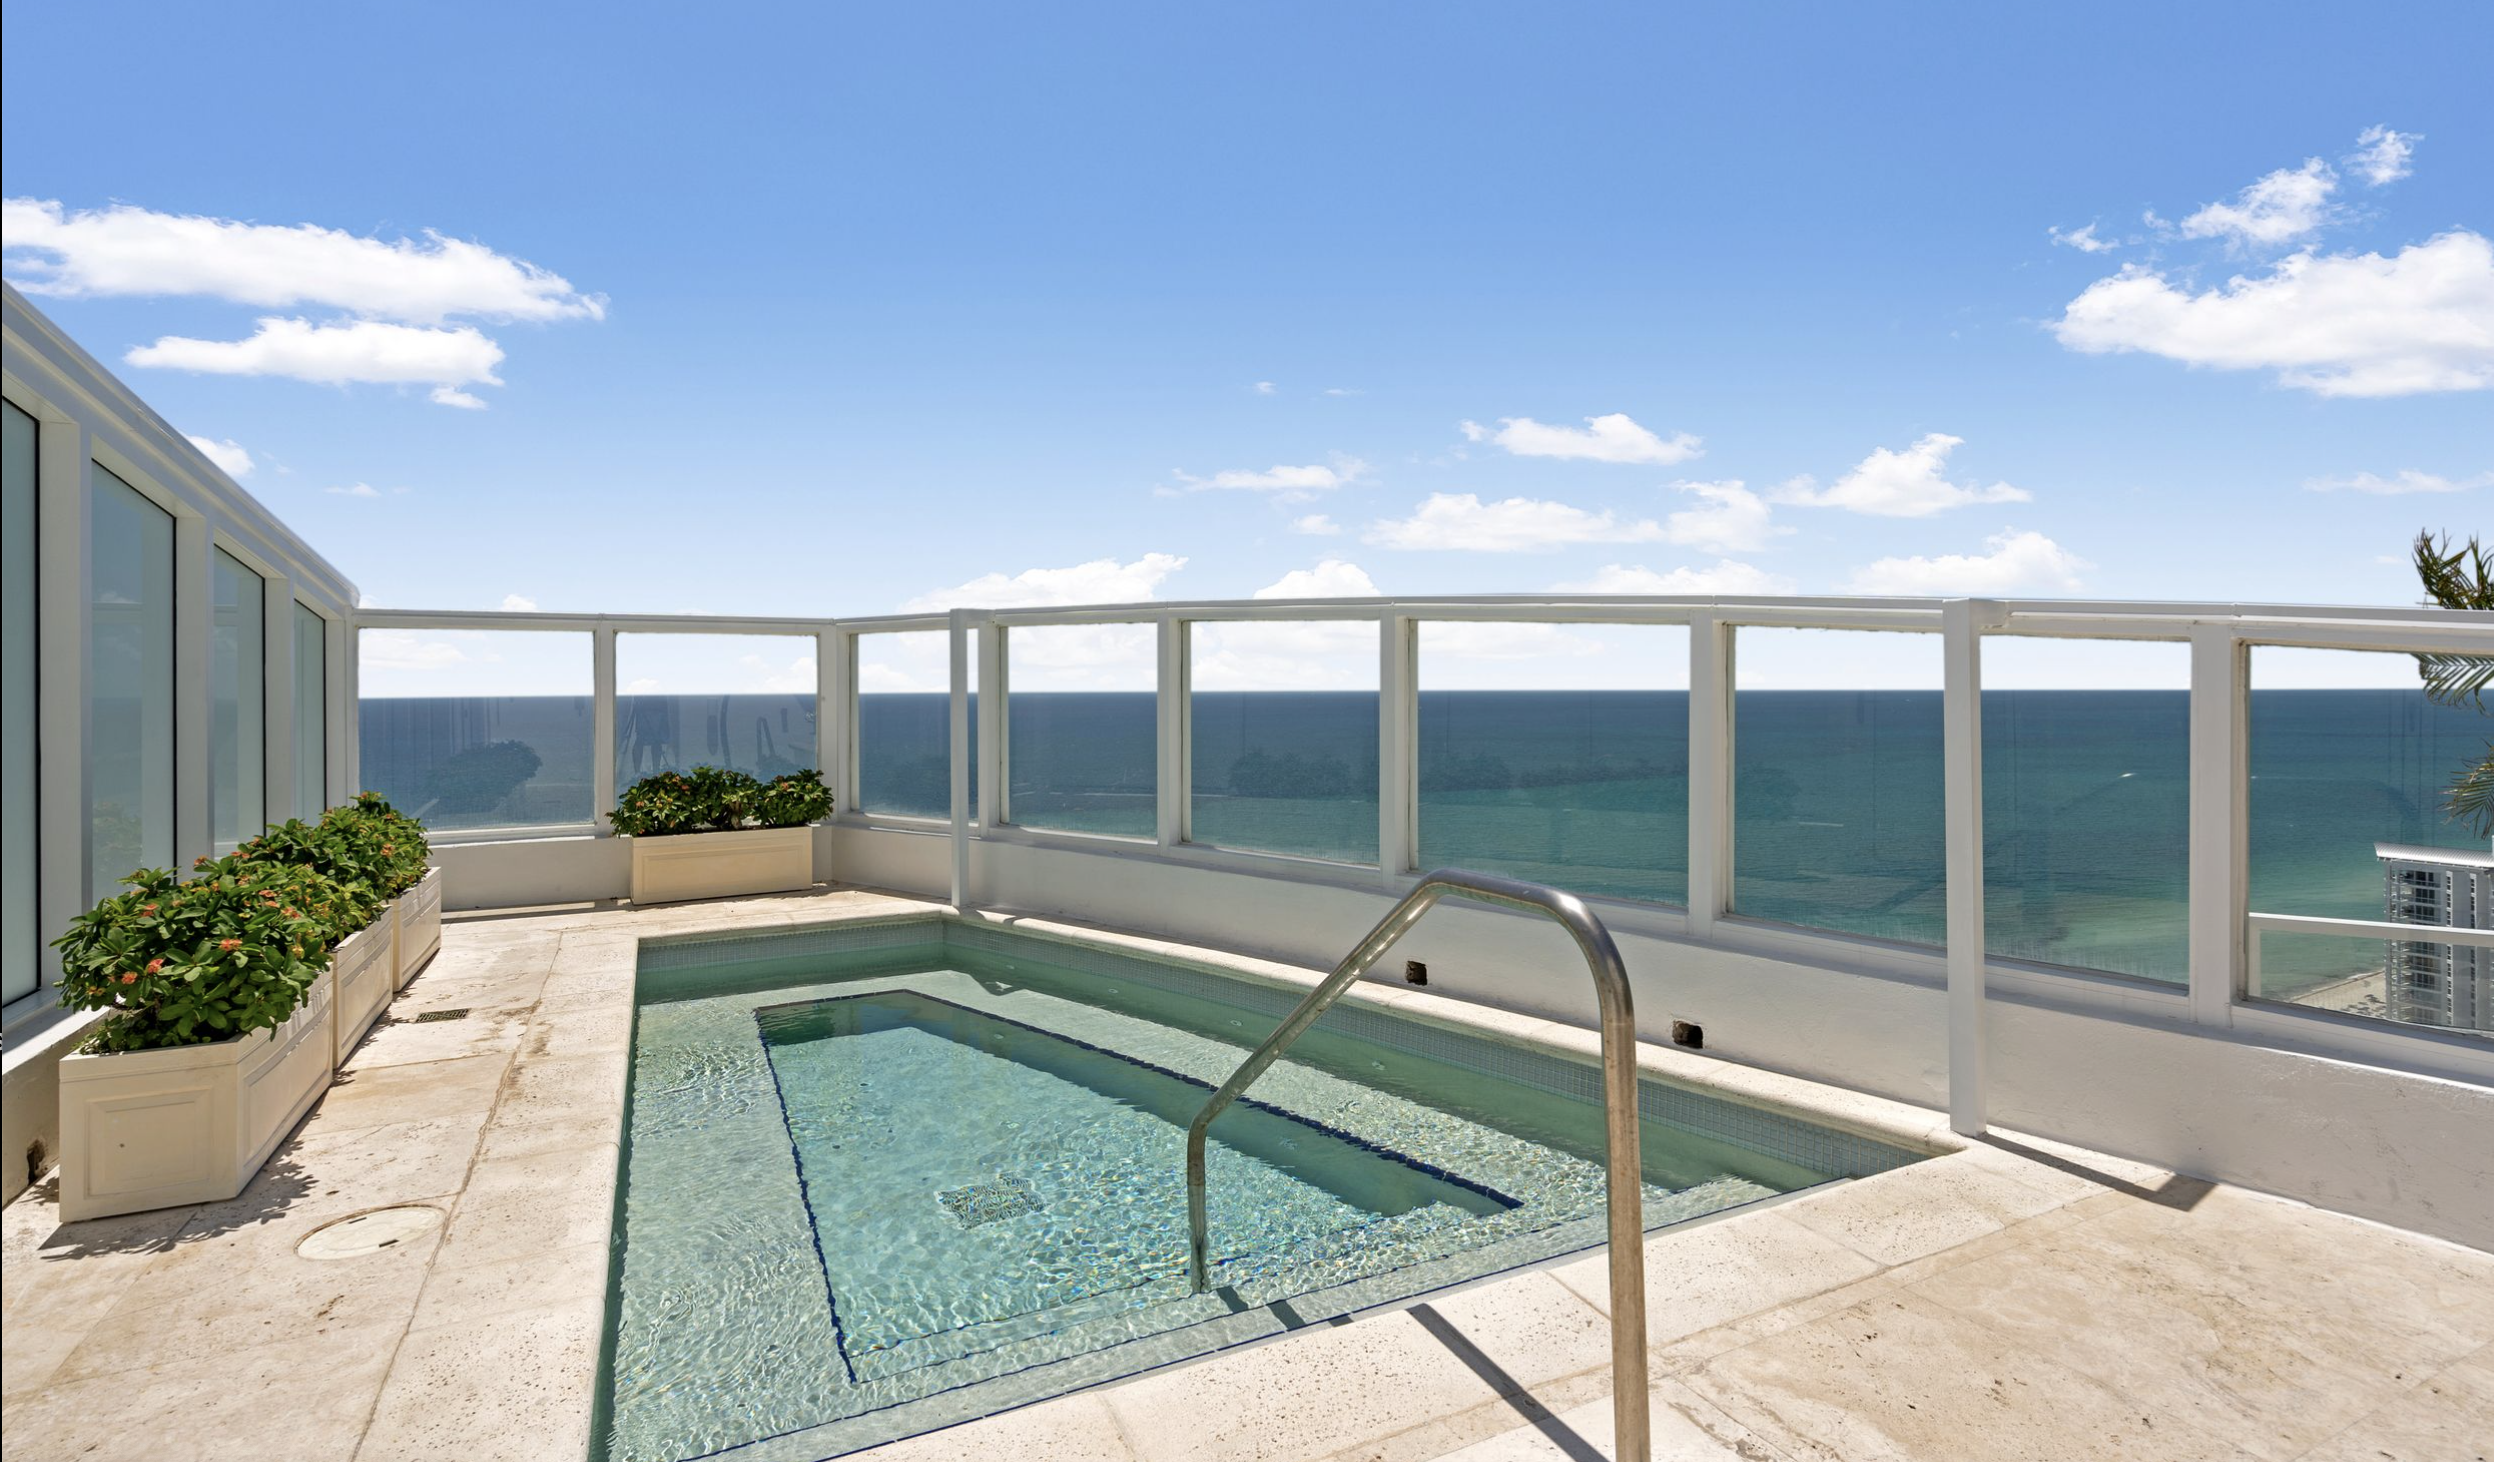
(1082, 728)
(1558, 753)
(238, 704)
(478, 728)
(21, 943)
(2411, 981)
(311, 714)
(2351, 766)
(1282, 721)
(905, 723)
(2087, 804)
(129, 686)
(1836, 782)
(745, 702)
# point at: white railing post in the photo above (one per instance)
(602, 787)
(1962, 622)
(1710, 772)
(1398, 740)
(995, 801)
(958, 635)
(835, 706)
(1171, 776)
(2218, 841)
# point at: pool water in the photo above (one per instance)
(892, 1177)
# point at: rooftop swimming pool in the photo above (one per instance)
(885, 1177)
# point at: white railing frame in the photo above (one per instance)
(2221, 637)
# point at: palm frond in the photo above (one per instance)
(2456, 680)
(2470, 799)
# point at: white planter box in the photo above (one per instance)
(419, 912)
(364, 969)
(150, 1129)
(721, 865)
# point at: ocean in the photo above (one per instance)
(1837, 810)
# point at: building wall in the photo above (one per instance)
(88, 425)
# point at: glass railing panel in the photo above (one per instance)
(1836, 755)
(479, 728)
(130, 693)
(904, 725)
(2352, 769)
(2415, 980)
(237, 702)
(1557, 753)
(744, 702)
(2087, 804)
(1283, 737)
(1082, 742)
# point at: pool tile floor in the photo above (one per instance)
(2017, 1298)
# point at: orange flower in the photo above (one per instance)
(291, 914)
(229, 945)
(155, 966)
(130, 977)
(147, 908)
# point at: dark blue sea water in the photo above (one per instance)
(1837, 815)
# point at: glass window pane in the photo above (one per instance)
(1282, 731)
(744, 702)
(238, 704)
(1558, 753)
(905, 725)
(478, 728)
(1836, 782)
(21, 942)
(130, 686)
(2351, 767)
(2087, 804)
(1082, 737)
(311, 713)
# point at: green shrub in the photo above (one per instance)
(714, 799)
(179, 962)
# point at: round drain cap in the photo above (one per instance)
(368, 1233)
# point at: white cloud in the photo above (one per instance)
(518, 604)
(1512, 525)
(1292, 483)
(1315, 525)
(645, 685)
(1724, 578)
(2082, 239)
(796, 677)
(1333, 578)
(2280, 208)
(228, 455)
(1732, 519)
(123, 250)
(2333, 324)
(1906, 484)
(2017, 561)
(2383, 156)
(2410, 481)
(1262, 388)
(359, 350)
(453, 396)
(1612, 438)
(356, 489)
(1344, 391)
(390, 649)
(1101, 581)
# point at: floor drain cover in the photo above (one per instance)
(460, 1013)
(369, 1233)
(989, 1202)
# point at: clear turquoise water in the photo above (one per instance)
(869, 1194)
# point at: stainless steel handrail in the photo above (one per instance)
(1624, 1170)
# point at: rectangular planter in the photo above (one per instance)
(721, 865)
(419, 913)
(364, 968)
(150, 1129)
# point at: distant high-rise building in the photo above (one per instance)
(2448, 985)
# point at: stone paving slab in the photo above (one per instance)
(2017, 1297)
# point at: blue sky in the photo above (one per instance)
(836, 310)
